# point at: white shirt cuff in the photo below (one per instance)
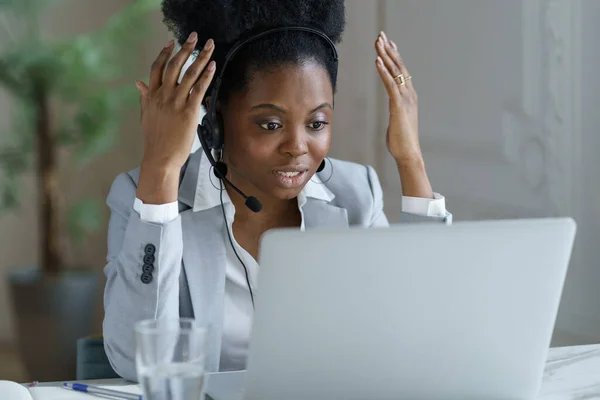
(435, 207)
(156, 213)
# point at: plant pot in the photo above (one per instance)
(52, 312)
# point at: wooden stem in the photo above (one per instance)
(51, 255)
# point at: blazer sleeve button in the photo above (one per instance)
(146, 278)
(148, 268)
(149, 259)
(150, 249)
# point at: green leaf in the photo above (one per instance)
(13, 161)
(8, 79)
(65, 134)
(17, 152)
(84, 64)
(33, 64)
(17, 4)
(96, 126)
(9, 194)
(9, 3)
(83, 218)
(23, 126)
(98, 120)
(27, 6)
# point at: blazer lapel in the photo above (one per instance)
(203, 263)
(189, 179)
(321, 214)
(204, 258)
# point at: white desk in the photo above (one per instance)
(571, 373)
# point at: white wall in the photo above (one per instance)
(581, 308)
(508, 92)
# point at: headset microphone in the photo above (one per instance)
(220, 171)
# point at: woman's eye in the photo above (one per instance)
(270, 126)
(318, 125)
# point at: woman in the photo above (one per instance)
(178, 245)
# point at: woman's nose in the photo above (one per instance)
(294, 143)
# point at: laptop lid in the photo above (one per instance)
(410, 311)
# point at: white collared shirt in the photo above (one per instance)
(238, 309)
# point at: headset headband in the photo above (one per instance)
(241, 43)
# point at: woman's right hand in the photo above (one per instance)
(169, 118)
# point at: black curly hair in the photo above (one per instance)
(227, 21)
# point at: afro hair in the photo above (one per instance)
(228, 21)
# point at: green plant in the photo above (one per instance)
(69, 95)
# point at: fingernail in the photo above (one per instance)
(171, 42)
(192, 37)
(208, 45)
(211, 66)
(383, 35)
(379, 60)
(137, 84)
(394, 45)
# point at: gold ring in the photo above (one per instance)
(402, 79)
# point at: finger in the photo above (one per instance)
(388, 81)
(158, 66)
(395, 65)
(193, 72)
(384, 36)
(176, 63)
(142, 88)
(393, 52)
(389, 45)
(201, 86)
(387, 60)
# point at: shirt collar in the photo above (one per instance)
(207, 193)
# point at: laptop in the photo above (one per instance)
(421, 311)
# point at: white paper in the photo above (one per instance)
(13, 391)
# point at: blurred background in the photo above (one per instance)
(507, 94)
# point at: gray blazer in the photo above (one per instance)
(188, 278)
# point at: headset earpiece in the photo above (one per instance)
(211, 130)
(217, 132)
(205, 130)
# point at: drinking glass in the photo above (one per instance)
(169, 357)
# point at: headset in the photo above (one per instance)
(210, 131)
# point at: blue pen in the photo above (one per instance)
(80, 387)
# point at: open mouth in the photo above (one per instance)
(289, 179)
(288, 174)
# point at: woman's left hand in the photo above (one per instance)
(403, 129)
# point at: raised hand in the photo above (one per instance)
(403, 128)
(169, 117)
